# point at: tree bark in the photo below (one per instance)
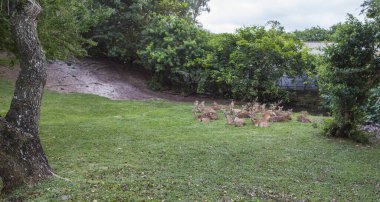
(22, 159)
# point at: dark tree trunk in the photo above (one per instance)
(347, 125)
(22, 159)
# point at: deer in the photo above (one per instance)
(217, 106)
(232, 108)
(263, 122)
(246, 111)
(238, 122)
(233, 120)
(282, 116)
(303, 117)
(204, 119)
(206, 111)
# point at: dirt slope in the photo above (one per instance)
(99, 77)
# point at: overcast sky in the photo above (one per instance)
(227, 15)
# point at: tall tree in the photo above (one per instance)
(372, 9)
(314, 34)
(60, 26)
(350, 71)
(121, 35)
(197, 6)
(22, 159)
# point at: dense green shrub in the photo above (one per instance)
(245, 66)
(351, 69)
(248, 64)
(173, 50)
(60, 27)
(220, 75)
(62, 24)
(120, 36)
(373, 106)
(314, 34)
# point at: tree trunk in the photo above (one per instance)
(347, 125)
(22, 159)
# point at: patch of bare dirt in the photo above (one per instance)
(100, 77)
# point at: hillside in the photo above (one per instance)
(100, 77)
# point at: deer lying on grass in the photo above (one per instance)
(240, 113)
(233, 120)
(278, 114)
(207, 112)
(232, 116)
(216, 106)
(263, 122)
(282, 116)
(232, 109)
(245, 112)
(303, 117)
(203, 118)
(274, 113)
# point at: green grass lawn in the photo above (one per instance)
(7, 62)
(155, 150)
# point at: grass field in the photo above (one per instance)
(155, 150)
(7, 62)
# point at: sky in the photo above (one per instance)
(228, 15)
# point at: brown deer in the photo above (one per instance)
(263, 122)
(239, 122)
(206, 111)
(232, 108)
(303, 118)
(217, 106)
(231, 119)
(281, 116)
(243, 114)
(204, 119)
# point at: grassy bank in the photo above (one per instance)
(141, 150)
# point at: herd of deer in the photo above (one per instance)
(260, 115)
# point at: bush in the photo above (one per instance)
(349, 72)
(173, 50)
(61, 26)
(373, 106)
(248, 64)
(120, 36)
(244, 66)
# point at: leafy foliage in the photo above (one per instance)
(62, 24)
(60, 27)
(372, 8)
(314, 34)
(197, 6)
(121, 35)
(6, 42)
(373, 106)
(247, 65)
(172, 49)
(351, 69)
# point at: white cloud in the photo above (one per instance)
(228, 15)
